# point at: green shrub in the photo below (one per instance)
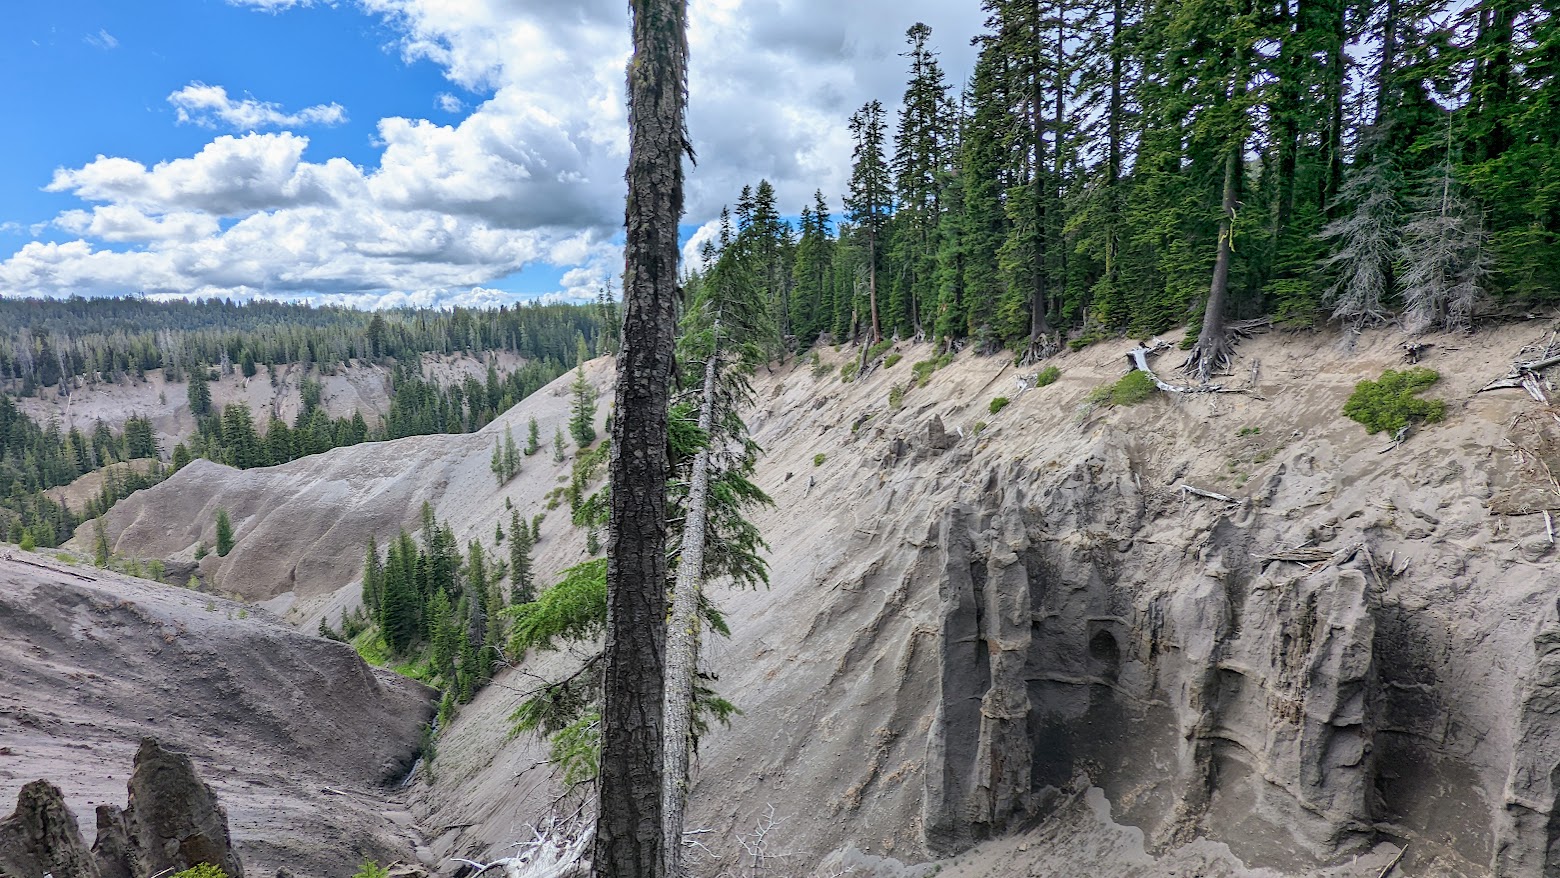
(923, 372)
(819, 368)
(999, 404)
(891, 359)
(371, 869)
(980, 427)
(848, 371)
(1133, 388)
(207, 870)
(896, 396)
(1047, 376)
(1391, 403)
(819, 458)
(1248, 431)
(877, 349)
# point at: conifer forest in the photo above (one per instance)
(1121, 167)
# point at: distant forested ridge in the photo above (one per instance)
(119, 339)
(42, 340)
(1127, 166)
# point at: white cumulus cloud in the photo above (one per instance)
(531, 174)
(209, 106)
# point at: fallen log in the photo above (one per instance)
(1211, 495)
(1137, 358)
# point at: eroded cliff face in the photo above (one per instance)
(1239, 702)
(1355, 654)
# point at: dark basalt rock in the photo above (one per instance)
(41, 837)
(174, 821)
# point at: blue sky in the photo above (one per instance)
(384, 151)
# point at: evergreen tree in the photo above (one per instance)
(224, 533)
(1443, 255)
(522, 587)
(558, 444)
(373, 578)
(532, 438)
(582, 410)
(399, 606)
(199, 392)
(871, 192)
(101, 552)
(920, 167)
(1363, 242)
(511, 455)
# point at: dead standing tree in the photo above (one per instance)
(628, 831)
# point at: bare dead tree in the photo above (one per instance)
(628, 833)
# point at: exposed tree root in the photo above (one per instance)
(1138, 358)
(1214, 356)
(1040, 347)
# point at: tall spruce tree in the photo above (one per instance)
(920, 167)
(870, 201)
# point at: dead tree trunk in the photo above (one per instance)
(628, 829)
(682, 639)
(1213, 349)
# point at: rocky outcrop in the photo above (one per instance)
(280, 722)
(1247, 702)
(1528, 837)
(41, 837)
(173, 823)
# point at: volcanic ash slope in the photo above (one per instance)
(303, 743)
(1011, 644)
(1016, 626)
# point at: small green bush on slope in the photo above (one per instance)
(1392, 402)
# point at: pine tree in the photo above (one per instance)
(101, 552)
(511, 455)
(522, 587)
(1363, 242)
(558, 445)
(1443, 255)
(399, 606)
(533, 438)
(443, 638)
(628, 836)
(812, 304)
(920, 166)
(373, 578)
(723, 336)
(871, 192)
(224, 533)
(199, 392)
(582, 410)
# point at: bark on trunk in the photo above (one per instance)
(629, 832)
(1039, 325)
(1212, 351)
(877, 334)
(1337, 74)
(682, 640)
(1387, 72)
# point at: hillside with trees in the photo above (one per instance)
(56, 349)
(1130, 166)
